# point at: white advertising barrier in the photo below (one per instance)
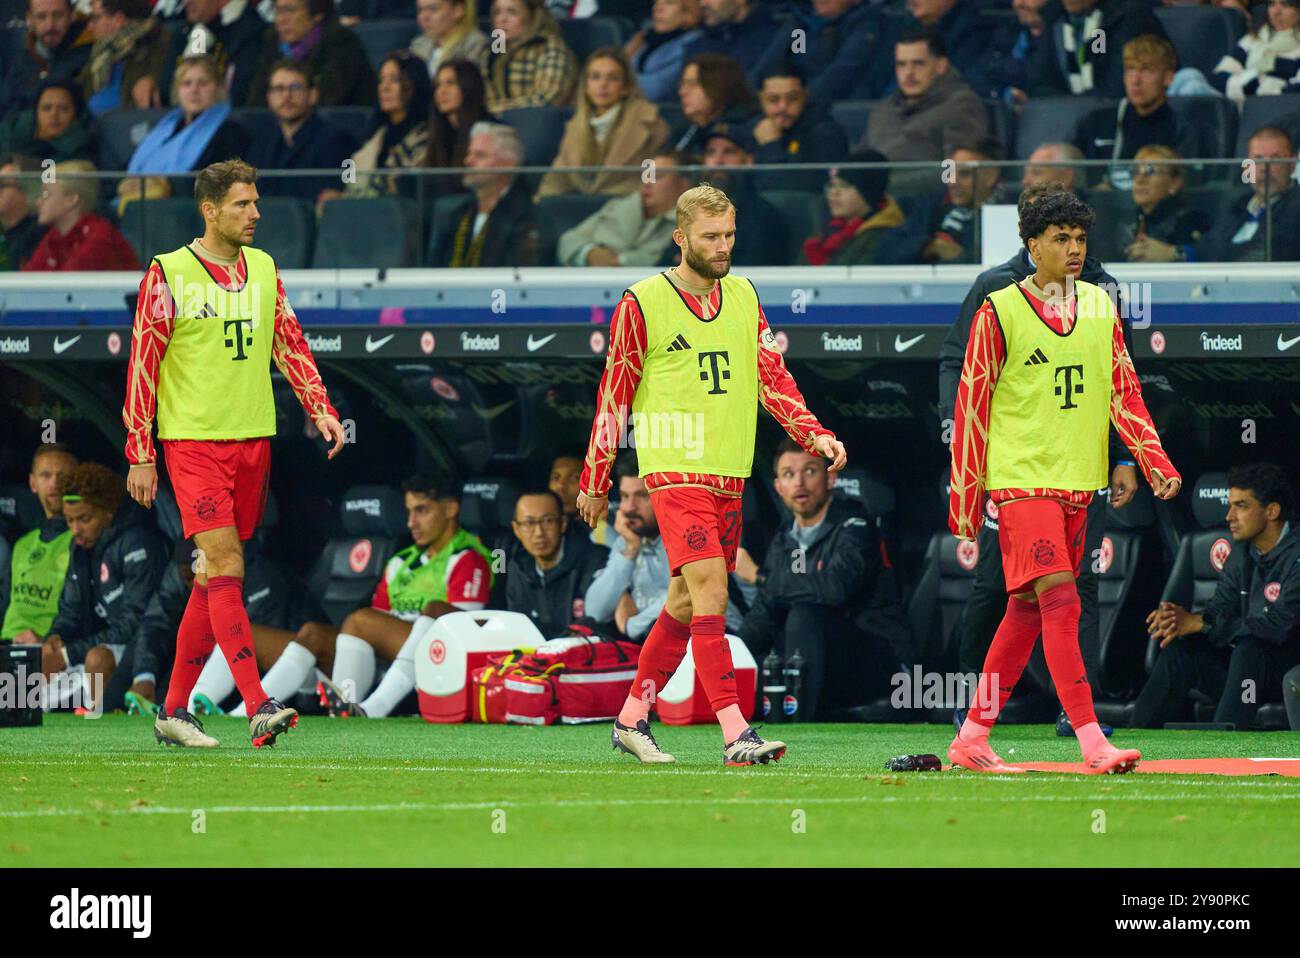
(683, 701)
(458, 643)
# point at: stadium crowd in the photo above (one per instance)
(412, 113)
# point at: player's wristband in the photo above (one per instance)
(1126, 462)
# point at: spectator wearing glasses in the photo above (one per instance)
(1164, 224)
(308, 30)
(449, 31)
(297, 138)
(550, 571)
(1249, 630)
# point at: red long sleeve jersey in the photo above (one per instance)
(151, 331)
(624, 363)
(985, 357)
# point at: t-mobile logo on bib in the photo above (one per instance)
(1070, 386)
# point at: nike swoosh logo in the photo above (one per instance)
(536, 344)
(60, 345)
(1282, 344)
(491, 412)
(373, 344)
(902, 345)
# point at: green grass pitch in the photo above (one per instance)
(401, 792)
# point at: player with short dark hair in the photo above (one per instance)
(1045, 370)
(1249, 630)
(39, 563)
(690, 360)
(447, 569)
(211, 318)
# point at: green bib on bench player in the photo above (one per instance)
(1052, 386)
(214, 380)
(417, 584)
(696, 407)
(37, 570)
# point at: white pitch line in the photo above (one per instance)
(591, 803)
(788, 773)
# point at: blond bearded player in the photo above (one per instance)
(691, 358)
(211, 318)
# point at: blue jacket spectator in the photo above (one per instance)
(841, 43)
(658, 52)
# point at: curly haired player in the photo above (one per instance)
(1046, 370)
(211, 318)
(690, 359)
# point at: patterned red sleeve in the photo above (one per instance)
(623, 366)
(1128, 411)
(780, 395)
(985, 356)
(151, 330)
(293, 357)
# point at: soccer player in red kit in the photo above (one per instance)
(690, 359)
(1046, 371)
(211, 318)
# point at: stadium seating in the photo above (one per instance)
(1002, 123)
(350, 565)
(166, 514)
(936, 606)
(20, 511)
(353, 120)
(286, 230)
(382, 37)
(541, 128)
(587, 35)
(1201, 35)
(120, 132)
(852, 116)
(1282, 110)
(1115, 210)
(1052, 119)
(557, 214)
(487, 509)
(1214, 117)
(164, 224)
(803, 216)
(373, 233)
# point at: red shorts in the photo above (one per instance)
(219, 483)
(1039, 537)
(697, 523)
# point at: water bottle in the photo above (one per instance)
(773, 690)
(793, 687)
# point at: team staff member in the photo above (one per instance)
(549, 570)
(211, 318)
(988, 599)
(116, 562)
(1045, 370)
(691, 357)
(1248, 634)
(39, 563)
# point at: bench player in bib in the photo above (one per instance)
(1046, 371)
(690, 359)
(211, 318)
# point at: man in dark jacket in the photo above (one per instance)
(841, 43)
(278, 605)
(1243, 234)
(1237, 648)
(969, 35)
(496, 225)
(744, 29)
(117, 560)
(760, 239)
(827, 591)
(20, 230)
(58, 46)
(297, 138)
(548, 571)
(988, 599)
(1080, 51)
(795, 128)
(231, 30)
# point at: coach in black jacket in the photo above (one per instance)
(827, 592)
(1237, 648)
(273, 597)
(117, 560)
(549, 571)
(988, 599)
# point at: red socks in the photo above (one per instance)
(1012, 644)
(713, 660)
(661, 653)
(194, 641)
(234, 634)
(1059, 607)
